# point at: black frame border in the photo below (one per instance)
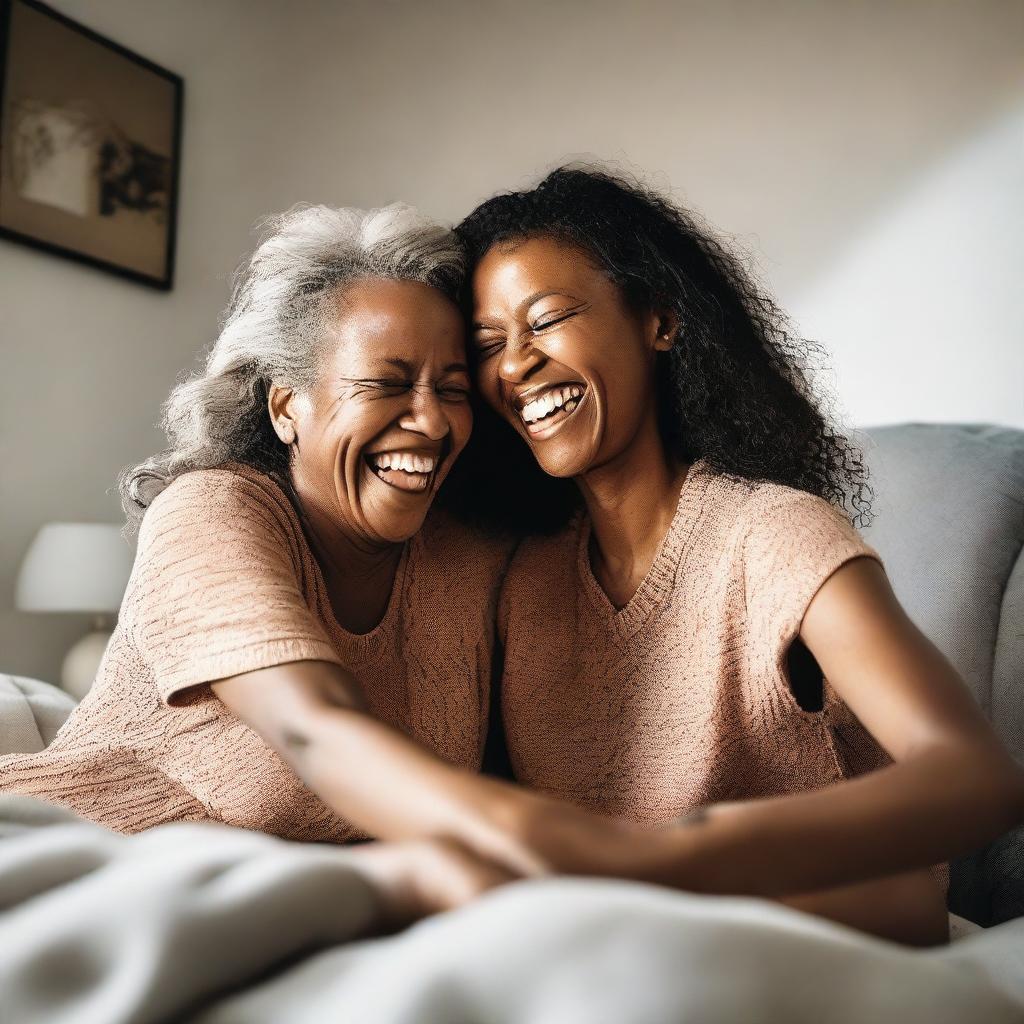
(165, 283)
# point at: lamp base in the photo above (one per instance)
(82, 662)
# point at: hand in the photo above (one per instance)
(419, 877)
(572, 840)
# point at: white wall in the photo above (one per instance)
(923, 310)
(815, 133)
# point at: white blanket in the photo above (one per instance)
(213, 924)
(218, 925)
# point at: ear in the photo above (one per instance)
(666, 330)
(280, 406)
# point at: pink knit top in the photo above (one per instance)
(681, 698)
(224, 582)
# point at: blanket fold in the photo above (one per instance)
(204, 923)
(99, 926)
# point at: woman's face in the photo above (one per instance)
(561, 357)
(388, 414)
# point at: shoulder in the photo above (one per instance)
(216, 548)
(776, 514)
(231, 495)
(770, 528)
(554, 546)
(551, 557)
(463, 552)
(744, 503)
(792, 542)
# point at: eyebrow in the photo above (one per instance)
(537, 296)
(404, 364)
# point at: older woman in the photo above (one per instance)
(297, 632)
(702, 632)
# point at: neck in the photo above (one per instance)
(342, 558)
(341, 554)
(631, 502)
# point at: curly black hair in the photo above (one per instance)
(733, 389)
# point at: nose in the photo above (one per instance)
(518, 360)
(425, 414)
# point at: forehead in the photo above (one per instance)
(512, 271)
(375, 320)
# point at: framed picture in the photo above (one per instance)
(90, 145)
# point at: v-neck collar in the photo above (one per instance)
(658, 584)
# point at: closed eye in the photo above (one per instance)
(454, 392)
(394, 386)
(544, 324)
(383, 386)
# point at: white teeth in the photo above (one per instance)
(555, 399)
(408, 462)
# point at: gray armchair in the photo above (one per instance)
(949, 504)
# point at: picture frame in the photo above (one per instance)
(90, 146)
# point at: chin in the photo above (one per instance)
(398, 533)
(561, 465)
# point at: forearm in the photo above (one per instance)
(386, 784)
(391, 787)
(937, 805)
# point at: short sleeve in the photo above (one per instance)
(215, 588)
(793, 543)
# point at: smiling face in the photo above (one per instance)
(388, 415)
(562, 357)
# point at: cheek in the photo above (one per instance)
(344, 439)
(363, 421)
(620, 361)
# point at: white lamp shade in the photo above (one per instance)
(75, 567)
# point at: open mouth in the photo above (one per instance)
(546, 410)
(404, 470)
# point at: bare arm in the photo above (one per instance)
(313, 713)
(953, 786)
(952, 789)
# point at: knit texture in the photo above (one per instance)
(224, 582)
(681, 698)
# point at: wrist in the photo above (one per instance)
(699, 850)
(574, 840)
(502, 821)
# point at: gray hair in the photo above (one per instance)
(273, 330)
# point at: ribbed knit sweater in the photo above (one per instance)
(681, 698)
(224, 582)
(677, 700)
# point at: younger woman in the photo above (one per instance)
(696, 630)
